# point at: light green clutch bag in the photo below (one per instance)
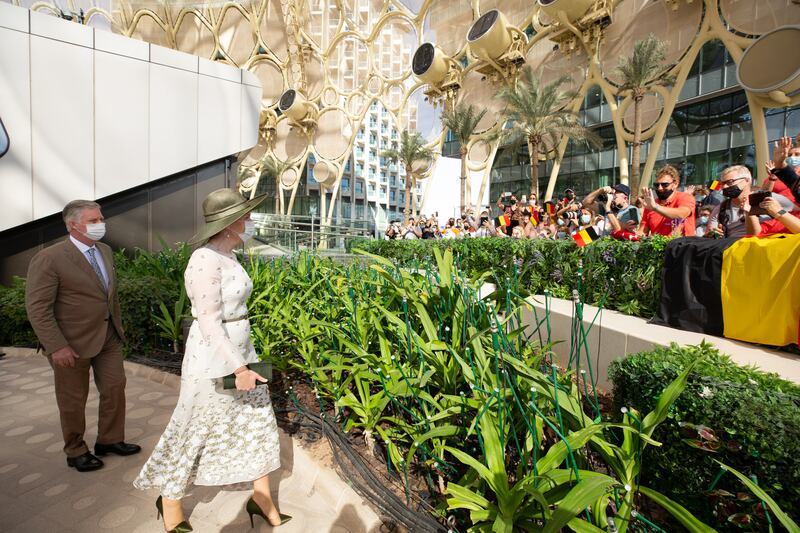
(262, 368)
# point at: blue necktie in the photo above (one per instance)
(96, 267)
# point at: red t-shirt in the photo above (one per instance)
(660, 225)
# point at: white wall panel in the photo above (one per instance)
(16, 185)
(14, 17)
(218, 119)
(250, 112)
(173, 120)
(62, 120)
(54, 28)
(173, 58)
(121, 45)
(219, 70)
(121, 123)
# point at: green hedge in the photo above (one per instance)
(624, 276)
(15, 330)
(754, 417)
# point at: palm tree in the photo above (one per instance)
(641, 70)
(412, 149)
(537, 116)
(462, 121)
(272, 166)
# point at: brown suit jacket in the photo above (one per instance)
(66, 302)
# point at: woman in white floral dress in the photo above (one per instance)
(215, 436)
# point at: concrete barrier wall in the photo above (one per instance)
(615, 335)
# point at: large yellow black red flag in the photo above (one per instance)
(745, 289)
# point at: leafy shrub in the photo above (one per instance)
(15, 330)
(622, 275)
(139, 299)
(742, 417)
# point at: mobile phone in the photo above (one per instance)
(631, 215)
(755, 200)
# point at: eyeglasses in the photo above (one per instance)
(726, 183)
(662, 184)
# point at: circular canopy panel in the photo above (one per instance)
(194, 37)
(255, 154)
(759, 16)
(650, 107)
(289, 178)
(479, 151)
(273, 30)
(236, 36)
(446, 25)
(393, 47)
(394, 95)
(271, 81)
(481, 93)
(760, 72)
(348, 64)
(420, 116)
(290, 143)
(551, 64)
(333, 134)
(325, 173)
(356, 104)
(315, 77)
(634, 20)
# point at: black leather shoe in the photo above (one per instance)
(85, 463)
(120, 448)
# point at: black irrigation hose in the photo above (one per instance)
(364, 481)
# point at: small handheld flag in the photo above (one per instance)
(550, 208)
(584, 237)
(503, 220)
(715, 185)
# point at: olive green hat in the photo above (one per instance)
(222, 208)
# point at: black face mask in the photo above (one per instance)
(663, 194)
(615, 207)
(731, 192)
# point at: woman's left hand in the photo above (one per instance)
(247, 380)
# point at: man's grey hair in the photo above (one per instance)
(72, 211)
(736, 168)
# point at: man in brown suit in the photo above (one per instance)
(72, 304)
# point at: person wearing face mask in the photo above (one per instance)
(561, 229)
(702, 221)
(730, 218)
(785, 167)
(72, 304)
(668, 212)
(217, 436)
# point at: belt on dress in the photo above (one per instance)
(226, 320)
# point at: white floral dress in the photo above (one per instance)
(214, 437)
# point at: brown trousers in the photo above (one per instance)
(72, 389)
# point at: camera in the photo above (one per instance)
(602, 197)
(572, 215)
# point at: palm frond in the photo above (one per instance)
(645, 66)
(463, 121)
(410, 150)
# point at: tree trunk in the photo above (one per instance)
(407, 210)
(277, 195)
(414, 197)
(463, 151)
(637, 141)
(533, 152)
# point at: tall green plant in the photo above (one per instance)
(641, 70)
(537, 117)
(462, 121)
(412, 150)
(170, 322)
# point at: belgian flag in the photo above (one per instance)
(503, 220)
(550, 208)
(715, 185)
(585, 236)
(745, 289)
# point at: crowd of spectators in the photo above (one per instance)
(730, 206)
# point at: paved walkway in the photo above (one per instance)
(39, 494)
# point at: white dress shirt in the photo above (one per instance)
(99, 256)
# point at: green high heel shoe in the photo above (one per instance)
(183, 527)
(254, 509)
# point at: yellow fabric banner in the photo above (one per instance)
(761, 290)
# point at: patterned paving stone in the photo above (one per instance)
(39, 493)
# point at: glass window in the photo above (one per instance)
(719, 138)
(775, 126)
(345, 184)
(696, 144)
(607, 159)
(594, 97)
(730, 75)
(712, 56)
(711, 81)
(592, 115)
(675, 147)
(689, 89)
(359, 187)
(741, 134)
(793, 121)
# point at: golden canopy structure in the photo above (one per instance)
(325, 64)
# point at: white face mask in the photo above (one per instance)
(95, 231)
(249, 231)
